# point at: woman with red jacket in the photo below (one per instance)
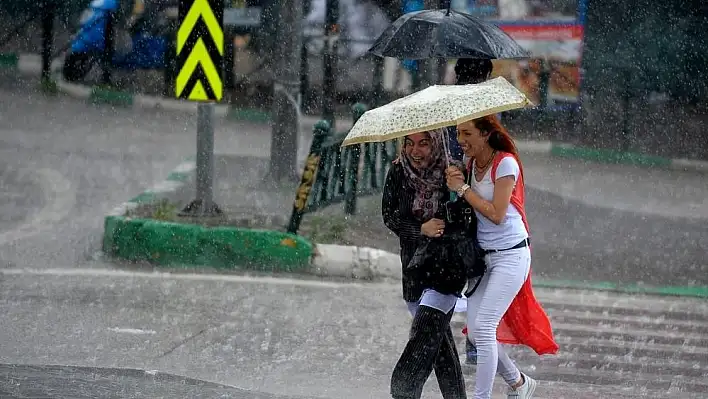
(502, 309)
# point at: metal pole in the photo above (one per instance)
(417, 75)
(429, 67)
(47, 28)
(229, 54)
(170, 58)
(107, 49)
(205, 156)
(378, 89)
(304, 63)
(626, 142)
(203, 204)
(331, 30)
(304, 76)
(544, 83)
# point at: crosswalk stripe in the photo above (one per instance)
(618, 346)
(609, 300)
(644, 320)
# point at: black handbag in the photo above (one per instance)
(438, 264)
(461, 217)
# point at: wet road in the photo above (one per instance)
(574, 241)
(64, 164)
(321, 339)
(617, 223)
(28, 381)
(73, 162)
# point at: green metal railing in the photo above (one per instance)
(335, 174)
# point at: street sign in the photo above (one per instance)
(200, 50)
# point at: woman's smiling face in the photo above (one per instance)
(470, 138)
(418, 148)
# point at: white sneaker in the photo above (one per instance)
(525, 391)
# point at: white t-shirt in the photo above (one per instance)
(511, 230)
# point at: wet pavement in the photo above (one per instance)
(320, 339)
(622, 344)
(65, 164)
(28, 381)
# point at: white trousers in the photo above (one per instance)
(506, 273)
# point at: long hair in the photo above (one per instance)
(499, 138)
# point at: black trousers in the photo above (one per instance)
(430, 346)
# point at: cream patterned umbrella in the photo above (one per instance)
(435, 107)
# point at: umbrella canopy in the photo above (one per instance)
(435, 107)
(445, 34)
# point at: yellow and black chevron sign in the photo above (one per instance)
(200, 50)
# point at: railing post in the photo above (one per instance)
(107, 49)
(309, 174)
(351, 195)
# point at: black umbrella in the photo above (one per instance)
(445, 34)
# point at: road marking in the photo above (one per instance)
(190, 277)
(547, 296)
(60, 198)
(136, 331)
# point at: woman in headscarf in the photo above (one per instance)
(413, 208)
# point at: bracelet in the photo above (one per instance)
(462, 189)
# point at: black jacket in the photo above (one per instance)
(439, 267)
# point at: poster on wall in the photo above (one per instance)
(552, 31)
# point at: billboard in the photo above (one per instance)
(552, 31)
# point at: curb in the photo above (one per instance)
(375, 263)
(31, 64)
(355, 262)
(175, 244)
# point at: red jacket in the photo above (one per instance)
(525, 322)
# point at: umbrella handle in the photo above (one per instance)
(446, 141)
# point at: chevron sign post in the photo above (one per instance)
(200, 54)
(200, 50)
